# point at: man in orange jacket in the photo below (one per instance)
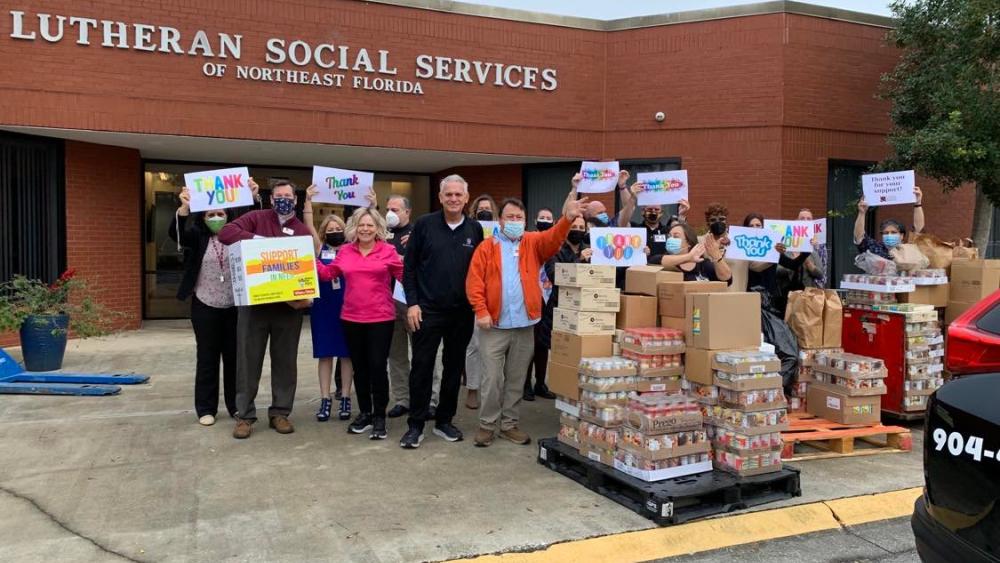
(506, 297)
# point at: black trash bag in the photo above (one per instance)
(777, 333)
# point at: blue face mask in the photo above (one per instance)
(603, 218)
(513, 229)
(284, 206)
(892, 240)
(673, 246)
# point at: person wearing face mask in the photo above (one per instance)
(574, 250)
(397, 218)
(697, 261)
(812, 272)
(892, 231)
(326, 329)
(656, 231)
(765, 274)
(279, 323)
(483, 208)
(207, 282)
(543, 221)
(503, 289)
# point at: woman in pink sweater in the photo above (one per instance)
(370, 267)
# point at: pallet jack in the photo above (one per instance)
(15, 380)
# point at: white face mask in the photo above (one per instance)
(391, 219)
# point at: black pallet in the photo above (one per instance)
(671, 501)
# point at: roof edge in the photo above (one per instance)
(707, 14)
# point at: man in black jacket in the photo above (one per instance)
(437, 260)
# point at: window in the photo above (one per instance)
(990, 322)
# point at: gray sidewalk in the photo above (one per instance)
(85, 479)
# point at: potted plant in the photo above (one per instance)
(44, 314)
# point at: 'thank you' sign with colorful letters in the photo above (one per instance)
(662, 188)
(272, 270)
(618, 246)
(756, 245)
(219, 189)
(598, 177)
(795, 235)
(342, 187)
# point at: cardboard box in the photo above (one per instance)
(584, 275)
(749, 384)
(841, 408)
(273, 270)
(936, 295)
(675, 323)
(642, 280)
(568, 407)
(600, 455)
(955, 310)
(671, 295)
(583, 322)
(721, 321)
(597, 299)
(972, 280)
(565, 381)
(636, 311)
(698, 365)
(769, 366)
(664, 424)
(659, 385)
(661, 474)
(567, 348)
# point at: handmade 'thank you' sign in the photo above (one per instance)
(618, 247)
(598, 177)
(662, 188)
(757, 245)
(795, 235)
(342, 187)
(219, 189)
(890, 188)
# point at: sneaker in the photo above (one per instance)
(323, 414)
(378, 428)
(411, 440)
(281, 424)
(344, 413)
(448, 431)
(243, 429)
(361, 424)
(206, 420)
(484, 437)
(432, 413)
(515, 435)
(398, 411)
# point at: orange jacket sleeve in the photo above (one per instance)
(550, 241)
(475, 281)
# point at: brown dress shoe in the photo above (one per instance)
(282, 425)
(243, 429)
(483, 437)
(472, 399)
(516, 435)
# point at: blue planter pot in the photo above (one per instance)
(43, 341)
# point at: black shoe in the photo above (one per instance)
(529, 394)
(361, 424)
(432, 413)
(378, 428)
(543, 392)
(448, 431)
(411, 440)
(337, 395)
(398, 411)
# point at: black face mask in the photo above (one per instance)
(334, 239)
(717, 228)
(484, 215)
(576, 237)
(651, 217)
(543, 225)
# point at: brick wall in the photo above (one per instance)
(501, 181)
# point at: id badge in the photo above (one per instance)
(335, 283)
(327, 255)
(659, 238)
(288, 231)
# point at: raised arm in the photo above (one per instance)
(307, 214)
(918, 211)
(859, 223)
(628, 196)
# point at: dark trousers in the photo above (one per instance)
(539, 363)
(369, 345)
(257, 324)
(215, 339)
(455, 330)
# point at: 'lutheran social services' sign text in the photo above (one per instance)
(890, 188)
(219, 189)
(342, 187)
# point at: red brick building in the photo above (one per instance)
(770, 107)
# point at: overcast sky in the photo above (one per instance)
(605, 10)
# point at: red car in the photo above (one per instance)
(958, 516)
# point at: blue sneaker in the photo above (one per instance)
(325, 406)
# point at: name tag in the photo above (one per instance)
(659, 238)
(335, 284)
(389, 236)
(517, 252)
(328, 255)
(288, 231)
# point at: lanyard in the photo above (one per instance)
(220, 255)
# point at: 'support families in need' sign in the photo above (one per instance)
(272, 270)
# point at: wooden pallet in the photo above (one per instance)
(825, 439)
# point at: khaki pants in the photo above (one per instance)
(506, 354)
(473, 362)
(399, 367)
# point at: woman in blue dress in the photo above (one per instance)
(327, 333)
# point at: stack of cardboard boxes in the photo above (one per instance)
(923, 371)
(848, 388)
(798, 399)
(583, 326)
(970, 281)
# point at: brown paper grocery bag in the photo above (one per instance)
(833, 320)
(938, 252)
(908, 257)
(806, 320)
